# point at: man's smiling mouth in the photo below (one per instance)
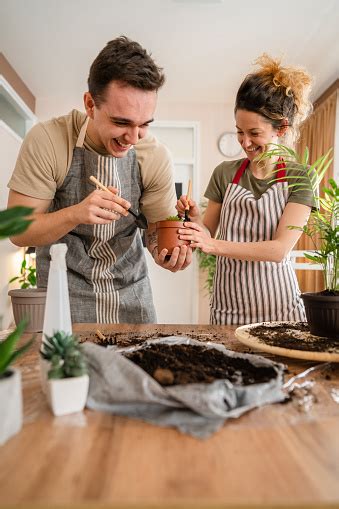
(122, 145)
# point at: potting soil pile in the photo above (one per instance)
(181, 382)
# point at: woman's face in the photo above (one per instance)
(254, 133)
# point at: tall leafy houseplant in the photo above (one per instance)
(12, 222)
(322, 308)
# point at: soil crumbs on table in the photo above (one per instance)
(129, 338)
(184, 364)
(295, 336)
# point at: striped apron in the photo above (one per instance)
(254, 291)
(106, 265)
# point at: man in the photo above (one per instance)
(107, 272)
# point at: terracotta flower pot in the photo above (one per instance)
(322, 312)
(168, 237)
(29, 303)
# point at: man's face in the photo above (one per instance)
(121, 119)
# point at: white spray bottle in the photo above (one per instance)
(57, 312)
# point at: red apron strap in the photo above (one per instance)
(240, 171)
(281, 173)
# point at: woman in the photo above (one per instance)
(254, 279)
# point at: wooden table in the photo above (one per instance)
(275, 455)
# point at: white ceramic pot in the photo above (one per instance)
(10, 404)
(67, 395)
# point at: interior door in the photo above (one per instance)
(176, 294)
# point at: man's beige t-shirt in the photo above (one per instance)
(46, 155)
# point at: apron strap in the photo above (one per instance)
(82, 133)
(281, 173)
(240, 171)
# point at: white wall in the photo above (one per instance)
(214, 119)
(10, 255)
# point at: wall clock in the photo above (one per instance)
(228, 145)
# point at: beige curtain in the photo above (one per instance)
(318, 135)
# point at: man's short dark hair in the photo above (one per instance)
(125, 61)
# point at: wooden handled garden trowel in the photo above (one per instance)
(189, 192)
(140, 219)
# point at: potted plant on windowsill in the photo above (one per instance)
(12, 222)
(322, 308)
(66, 383)
(28, 301)
(168, 237)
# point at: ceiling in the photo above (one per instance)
(205, 46)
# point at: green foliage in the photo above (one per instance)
(13, 221)
(65, 354)
(207, 262)
(27, 278)
(174, 218)
(323, 225)
(8, 353)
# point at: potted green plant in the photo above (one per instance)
(207, 262)
(27, 277)
(322, 308)
(66, 369)
(28, 301)
(167, 231)
(10, 384)
(12, 222)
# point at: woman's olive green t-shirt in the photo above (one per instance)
(225, 172)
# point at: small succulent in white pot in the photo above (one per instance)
(66, 383)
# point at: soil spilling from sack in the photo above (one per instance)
(295, 337)
(184, 364)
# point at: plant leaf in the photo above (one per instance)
(13, 221)
(7, 353)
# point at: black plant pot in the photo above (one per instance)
(322, 312)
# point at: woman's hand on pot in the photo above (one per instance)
(180, 258)
(198, 236)
(193, 212)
